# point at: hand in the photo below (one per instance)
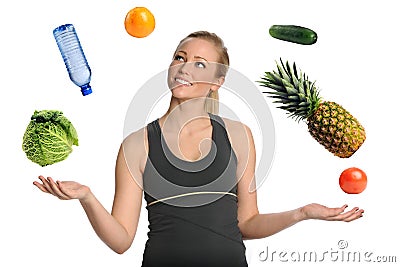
(320, 212)
(63, 190)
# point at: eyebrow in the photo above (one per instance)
(184, 52)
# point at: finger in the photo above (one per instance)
(334, 212)
(358, 214)
(41, 187)
(46, 184)
(57, 190)
(347, 215)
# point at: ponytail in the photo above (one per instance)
(211, 104)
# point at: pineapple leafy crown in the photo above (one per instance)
(292, 88)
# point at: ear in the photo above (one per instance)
(218, 83)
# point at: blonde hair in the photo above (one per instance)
(212, 104)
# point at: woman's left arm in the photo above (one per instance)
(254, 225)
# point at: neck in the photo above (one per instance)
(181, 112)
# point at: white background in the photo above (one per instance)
(355, 63)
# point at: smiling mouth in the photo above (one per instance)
(183, 82)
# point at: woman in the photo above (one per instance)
(197, 192)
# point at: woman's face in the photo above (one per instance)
(192, 72)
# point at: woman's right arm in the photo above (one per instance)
(118, 228)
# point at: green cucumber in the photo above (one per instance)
(294, 34)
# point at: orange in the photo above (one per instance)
(139, 22)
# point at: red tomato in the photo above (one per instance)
(353, 180)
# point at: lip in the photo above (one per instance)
(182, 81)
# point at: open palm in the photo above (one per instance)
(321, 212)
(62, 189)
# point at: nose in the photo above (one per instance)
(184, 67)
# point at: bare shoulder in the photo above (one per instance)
(240, 136)
(135, 149)
(236, 129)
(137, 137)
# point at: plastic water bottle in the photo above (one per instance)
(73, 56)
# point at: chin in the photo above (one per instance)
(181, 95)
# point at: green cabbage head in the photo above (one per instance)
(49, 137)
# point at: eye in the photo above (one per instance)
(200, 65)
(179, 58)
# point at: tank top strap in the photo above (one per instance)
(153, 136)
(220, 134)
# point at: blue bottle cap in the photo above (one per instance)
(62, 28)
(86, 89)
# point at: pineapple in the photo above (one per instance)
(328, 122)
